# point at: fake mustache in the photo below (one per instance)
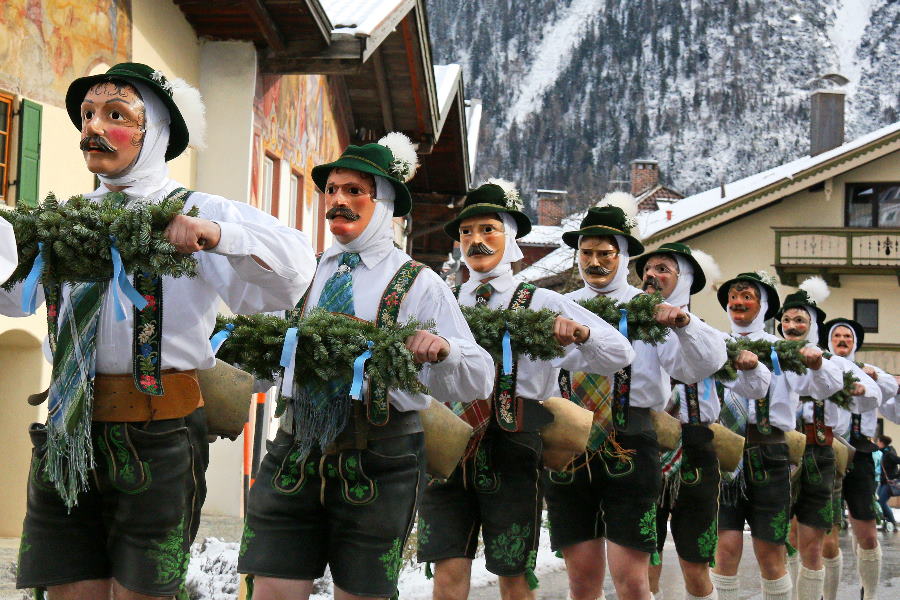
(96, 142)
(341, 211)
(652, 282)
(796, 332)
(738, 308)
(480, 248)
(842, 345)
(597, 270)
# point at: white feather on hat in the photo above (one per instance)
(708, 265)
(190, 104)
(816, 288)
(767, 277)
(406, 161)
(627, 203)
(510, 192)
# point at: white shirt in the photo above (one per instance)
(860, 404)
(890, 409)
(8, 254)
(605, 351)
(228, 271)
(468, 371)
(688, 354)
(869, 422)
(785, 389)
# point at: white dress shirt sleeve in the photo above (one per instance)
(467, 374)
(11, 301)
(753, 383)
(248, 234)
(890, 410)
(886, 383)
(605, 351)
(692, 352)
(872, 396)
(818, 383)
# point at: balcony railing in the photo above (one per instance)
(832, 251)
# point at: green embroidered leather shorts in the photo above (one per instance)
(859, 487)
(497, 491)
(766, 502)
(352, 511)
(695, 510)
(136, 520)
(607, 497)
(812, 492)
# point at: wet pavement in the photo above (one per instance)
(555, 585)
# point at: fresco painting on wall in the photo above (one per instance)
(299, 119)
(67, 37)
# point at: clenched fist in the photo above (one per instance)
(191, 234)
(671, 316)
(811, 357)
(858, 389)
(568, 331)
(746, 361)
(871, 372)
(427, 347)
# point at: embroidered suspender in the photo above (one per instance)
(377, 407)
(855, 426)
(693, 403)
(506, 407)
(621, 398)
(763, 425)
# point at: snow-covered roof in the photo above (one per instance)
(554, 263)
(362, 18)
(656, 222)
(542, 235)
(447, 79)
(473, 127)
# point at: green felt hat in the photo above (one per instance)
(801, 299)
(682, 250)
(165, 90)
(392, 157)
(825, 331)
(606, 221)
(495, 196)
(768, 285)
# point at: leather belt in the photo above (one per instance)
(810, 430)
(755, 437)
(116, 399)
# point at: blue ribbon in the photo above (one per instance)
(29, 291)
(359, 370)
(623, 322)
(708, 387)
(776, 366)
(219, 338)
(124, 284)
(506, 344)
(289, 348)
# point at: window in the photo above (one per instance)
(865, 312)
(873, 205)
(270, 185)
(294, 200)
(6, 110)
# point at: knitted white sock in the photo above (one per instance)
(726, 586)
(868, 565)
(810, 584)
(777, 589)
(833, 568)
(793, 568)
(712, 595)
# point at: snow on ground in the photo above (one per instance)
(851, 19)
(212, 572)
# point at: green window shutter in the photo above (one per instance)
(29, 152)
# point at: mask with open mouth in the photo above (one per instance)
(652, 282)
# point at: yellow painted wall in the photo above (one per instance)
(163, 39)
(748, 244)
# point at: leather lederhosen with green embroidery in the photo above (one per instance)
(377, 404)
(504, 407)
(761, 406)
(148, 323)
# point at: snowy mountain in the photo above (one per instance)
(712, 89)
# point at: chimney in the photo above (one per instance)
(550, 209)
(644, 176)
(826, 120)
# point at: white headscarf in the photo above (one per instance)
(149, 173)
(759, 321)
(618, 285)
(681, 295)
(852, 355)
(511, 251)
(379, 233)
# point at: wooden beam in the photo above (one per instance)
(384, 94)
(266, 24)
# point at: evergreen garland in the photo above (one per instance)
(844, 398)
(530, 331)
(77, 237)
(788, 356)
(327, 345)
(641, 315)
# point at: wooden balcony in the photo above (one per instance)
(835, 251)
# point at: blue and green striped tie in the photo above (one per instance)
(337, 295)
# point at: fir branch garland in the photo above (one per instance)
(788, 356)
(844, 398)
(327, 345)
(77, 235)
(530, 331)
(641, 315)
